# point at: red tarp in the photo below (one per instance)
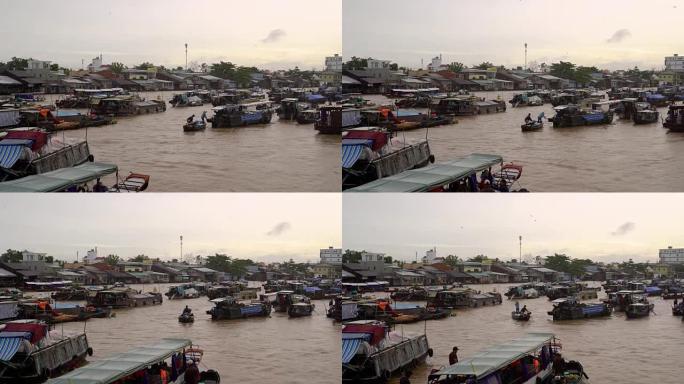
(377, 331)
(37, 331)
(379, 138)
(39, 138)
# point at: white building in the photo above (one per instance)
(332, 256)
(27, 256)
(96, 64)
(671, 255)
(430, 256)
(436, 64)
(378, 64)
(367, 257)
(674, 63)
(91, 256)
(333, 63)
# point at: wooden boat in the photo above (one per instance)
(636, 310)
(406, 126)
(372, 354)
(308, 116)
(134, 182)
(646, 116)
(570, 309)
(129, 366)
(229, 116)
(332, 120)
(45, 356)
(521, 316)
(678, 310)
(125, 106)
(70, 294)
(464, 298)
(573, 116)
(300, 309)
(532, 126)
(573, 373)
(187, 99)
(533, 353)
(184, 291)
(227, 308)
(186, 318)
(124, 298)
(195, 126)
(675, 118)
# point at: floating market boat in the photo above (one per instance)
(31, 353)
(300, 309)
(127, 105)
(186, 317)
(532, 126)
(521, 316)
(464, 298)
(285, 299)
(144, 361)
(81, 97)
(645, 114)
(186, 291)
(73, 293)
(371, 353)
(124, 298)
(570, 309)
(529, 360)
(524, 291)
(639, 310)
(573, 116)
(187, 99)
(290, 108)
(370, 154)
(458, 175)
(675, 118)
(228, 116)
(307, 116)
(227, 308)
(334, 119)
(528, 99)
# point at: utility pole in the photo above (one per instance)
(520, 238)
(525, 57)
(181, 249)
(186, 58)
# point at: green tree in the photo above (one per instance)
(117, 67)
(349, 256)
(112, 259)
(224, 69)
(394, 67)
(356, 63)
(11, 256)
(17, 64)
(49, 259)
(388, 259)
(144, 66)
(456, 67)
(478, 259)
(484, 65)
(452, 261)
(563, 69)
(54, 67)
(557, 262)
(138, 259)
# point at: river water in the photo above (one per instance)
(275, 349)
(611, 349)
(621, 157)
(279, 157)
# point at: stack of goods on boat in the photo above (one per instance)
(373, 354)
(186, 291)
(534, 358)
(527, 99)
(177, 358)
(187, 99)
(124, 297)
(526, 291)
(570, 309)
(372, 153)
(227, 308)
(31, 353)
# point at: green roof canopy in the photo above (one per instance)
(432, 176)
(60, 179)
(498, 356)
(118, 366)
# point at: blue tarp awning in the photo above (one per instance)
(9, 154)
(312, 289)
(349, 348)
(8, 347)
(351, 153)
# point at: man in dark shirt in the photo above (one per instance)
(453, 357)
(192, 374)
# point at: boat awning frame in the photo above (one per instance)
(60, 179)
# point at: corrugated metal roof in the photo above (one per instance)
(6, 273)
(6, 80)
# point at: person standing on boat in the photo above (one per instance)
(190, 119)
(540, 117)
(528, 118)
(524, 309)
(517, 307)
(453, 356)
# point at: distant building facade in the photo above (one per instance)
(671, 255)
(333, 63)
(674, 63)
(332, 256)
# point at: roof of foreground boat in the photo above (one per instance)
(497, 356)
(119, 366)
(426, 178)
(59, 179)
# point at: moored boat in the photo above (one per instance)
(675, 118)
(646, 116)
(372, 354)
(521, 316)
(227, 308)
(638, 310)
(124, 298)
(300, 309)
(229, 116)
(532, 126)
(570, 309)
(573, 116)
(334, 119)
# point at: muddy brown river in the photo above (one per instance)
(275, 349)
(282, 156)
(611, 349)
(620, 157)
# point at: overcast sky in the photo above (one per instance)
(263, 227)
(603, 227)
(270, 34)
(608, 34)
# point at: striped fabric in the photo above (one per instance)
(351, 153)
(349, 348)
(9, 154)
(8, 347)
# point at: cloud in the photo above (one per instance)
(279, 229)
(624, 229)
(619, 36)
(273, 36)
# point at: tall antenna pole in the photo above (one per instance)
(181, 249)
(525, 57)
(186, 56)
(520, 238)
